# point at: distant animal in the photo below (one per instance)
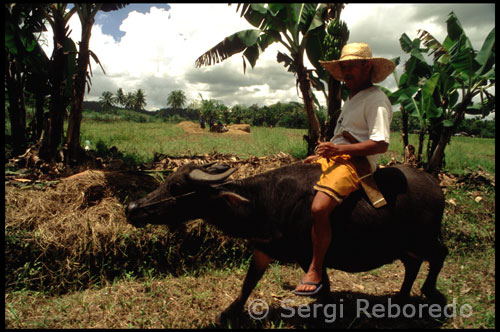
(273, 211)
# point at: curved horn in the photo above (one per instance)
(208, 164)
(197, 175)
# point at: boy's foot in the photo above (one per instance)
(314, 291)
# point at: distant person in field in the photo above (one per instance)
(202, 122)
(366, 115)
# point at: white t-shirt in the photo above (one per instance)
(366, 116)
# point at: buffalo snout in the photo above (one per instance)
(132, 215)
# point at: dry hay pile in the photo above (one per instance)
(194, 128)
(191, 127)
(74, 234)
(82, 212)
(51, 234)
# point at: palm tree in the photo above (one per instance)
(176, 99)
(291, 24)
(139, 100)
(120, 97)
(107, 100)
(129, 100)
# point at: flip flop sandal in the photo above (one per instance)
(318, 285)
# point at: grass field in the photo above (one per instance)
(82, 276)
(140, 141)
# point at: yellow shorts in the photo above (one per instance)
(338, 178)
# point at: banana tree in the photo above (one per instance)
(442, 93)
(86, 13)
(326, 44)
(289, 24)
(415, 90)
(461, 68)
(26, 67)
(61, 70)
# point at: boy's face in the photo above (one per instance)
(356, 73)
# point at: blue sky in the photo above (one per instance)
(154, 47)
(111, 21)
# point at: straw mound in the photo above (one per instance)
(191, 127)
(82, 212)
(234, 129)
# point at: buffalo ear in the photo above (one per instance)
(233, 199)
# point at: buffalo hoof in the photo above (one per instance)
(230, 315)
(434, 296)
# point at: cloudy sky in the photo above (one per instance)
(154, 47)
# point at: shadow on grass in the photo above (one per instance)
(347, 310)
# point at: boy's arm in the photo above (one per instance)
(368, 147)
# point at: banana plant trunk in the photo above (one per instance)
(305, 89)
(75, 150)
(54, 126)
(17, 109)
(404, 126)
(334, 105)
(436, 161)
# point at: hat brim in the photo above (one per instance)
(381, 68)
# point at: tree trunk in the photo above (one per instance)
(39, 103)
(334, 106)
(305, 89)
(17, 108)
(436, 161)
(73, 136)
(404, 126)
(54, 126)
(421, 137)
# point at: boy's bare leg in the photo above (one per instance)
(321, 208)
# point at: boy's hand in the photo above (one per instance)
(327, 149)
(310, 159)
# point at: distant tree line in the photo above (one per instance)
(288, 115)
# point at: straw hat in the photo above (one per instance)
(360, 51)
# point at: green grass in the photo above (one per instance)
(141, 141)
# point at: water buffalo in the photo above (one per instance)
(273, 211)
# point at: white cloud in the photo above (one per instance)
(158, 51)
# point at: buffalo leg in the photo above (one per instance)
(259, 264)
(412, 266)
(436, 262)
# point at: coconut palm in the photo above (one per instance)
(107, 100)
(176, 99)
(129, 100)
(139, 100)
(120, 97)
